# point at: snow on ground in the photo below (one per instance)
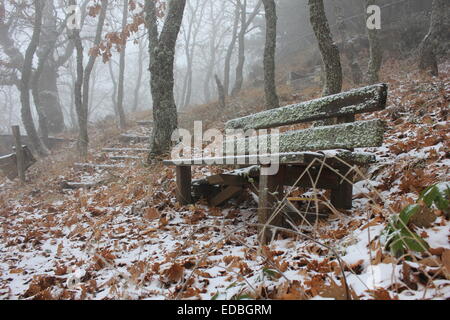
(128, 238)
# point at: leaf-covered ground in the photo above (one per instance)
(127, 237)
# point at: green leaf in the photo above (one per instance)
(414, 242)
(407, 213)
(437, 194)
(272, 274)
(397, 247)
(234, 284)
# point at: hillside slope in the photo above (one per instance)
(126, 237)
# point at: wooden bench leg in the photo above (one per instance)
(271, 190)
(184, 184)
(342, 197)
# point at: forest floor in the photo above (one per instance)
(127, 238)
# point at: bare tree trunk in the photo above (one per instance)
(328, 50)
(137, 87)
(376, 53)
(43, 123)
(195, 23)
(120, 110)
(114, 83)
(27, 117)
(226, 81)
(429, 45)
(221, 91)
(347, 47)
(188, 93)
(47, 88)
(241, 43)
(7, 43)
(162, 55)
(50, 107)
(270, 88)
(187, 77)
(83, 138)
(212, 57)
(81, 113)
(241, 55)
(47, 100)
(71, 85)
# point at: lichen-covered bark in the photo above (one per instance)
(359, 134)
(427, 49)
(328, 50)
(376, 53)
(367, 99)
(27, 117)
(162, 54)
(270, 88)
(342, 136)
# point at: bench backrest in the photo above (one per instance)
(357, 101)
(356, 134)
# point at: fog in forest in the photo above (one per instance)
(224, 150)
(208, 34)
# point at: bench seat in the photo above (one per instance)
(300, 158)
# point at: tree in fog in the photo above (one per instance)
(216, 20)
(270, 89)
(245, 24)
(347, 46)
(120, 90)
(221, 92)
(27, 117)
(195, 13)
(329, 51)
(162, 54)
(140, 72)
(52, 55)
(430, 44)
(83, 77)
(230, 49)
(376, 53)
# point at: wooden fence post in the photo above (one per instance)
(19, 153)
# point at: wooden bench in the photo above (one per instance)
(297, 150)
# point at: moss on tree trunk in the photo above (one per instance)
(162, 55)
(270, 89)
(328, 50)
